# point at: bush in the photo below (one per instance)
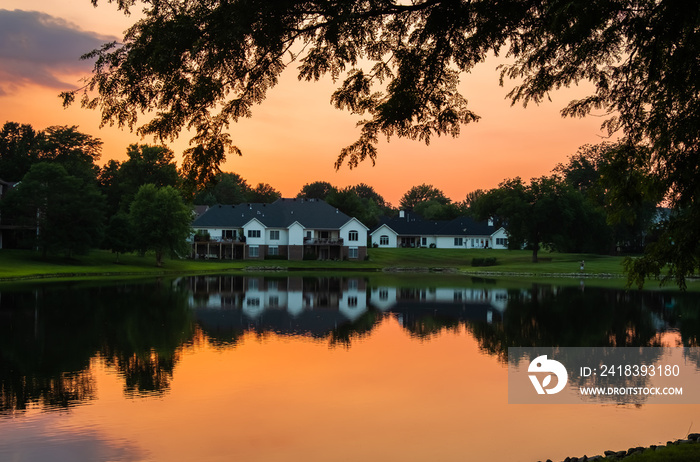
(491, 261)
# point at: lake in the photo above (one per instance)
(291, 368)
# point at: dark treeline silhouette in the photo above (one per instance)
(64, 202)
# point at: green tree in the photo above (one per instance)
(77, 152)
(263, 193)
(316, 190)
(619, 183)
(435, 210)
(66, 210)
(544, 212)
(422, 193)
(225, 188)
(161, 220)
(119, 235)
(17, 152)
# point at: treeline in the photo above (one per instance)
(597, 202)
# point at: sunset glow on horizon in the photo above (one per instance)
(295, 135)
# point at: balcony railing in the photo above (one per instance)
(323, 242)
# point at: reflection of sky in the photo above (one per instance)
(42, 438)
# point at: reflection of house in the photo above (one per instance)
(291, 229)
(476, 303)
(278, 304)
(411, 230)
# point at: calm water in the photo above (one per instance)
(315, 369)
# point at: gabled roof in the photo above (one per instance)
(310, 213)
(412, 224)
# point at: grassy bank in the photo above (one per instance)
(17, 264)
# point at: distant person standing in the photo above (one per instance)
(583, 266)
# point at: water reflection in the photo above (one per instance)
(50, 333)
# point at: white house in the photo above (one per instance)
(292, 229)
(411, 230)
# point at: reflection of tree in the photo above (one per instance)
(145, 330)
(344, 334)
(49, 335)
(430, 325)
(568, 317)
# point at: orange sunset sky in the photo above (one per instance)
(295, 135)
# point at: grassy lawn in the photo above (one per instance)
(674, 453)
(28, 264)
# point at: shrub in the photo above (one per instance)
(491, 261)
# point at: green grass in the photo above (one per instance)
(674, 453)
(16, 264)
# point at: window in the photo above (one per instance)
(424, 241)
(501, 241)
(353, 236)
(275, 235)
(352, 252)
(383, 294)
(384, 240)
(353, 284)
(459, 242)
(253, 251)
(253, 233)
(253, 302)
(352, 302)
(274, 301)
(273, 250)
(228, 234)
(308, 234)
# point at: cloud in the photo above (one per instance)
(37, 48)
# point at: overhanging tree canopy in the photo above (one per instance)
(201, 64)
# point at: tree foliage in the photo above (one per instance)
(263, 193)
(17, 152)
(65, 210)
(161, 220)
(316, 190)
(544, 212)
(422, 193)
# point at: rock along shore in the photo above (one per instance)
(693, 438)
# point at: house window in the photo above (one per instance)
(501, 241)
(383, 294)
(253, 302)
(352, 284)
(228, 234)
(253, 251)
(352, 302)
(273, 250)
(384, 240)
(253, 233)
(423, 241)
(352, 252)
(274, 301)
(353, 236)
(459, 242)
(275, 235)
(308, 234)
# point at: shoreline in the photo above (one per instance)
(682, 448)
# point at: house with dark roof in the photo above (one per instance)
(411, 230)
(292, 229)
